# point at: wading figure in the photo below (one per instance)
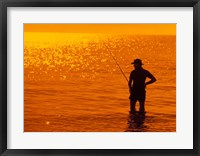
(137, 84)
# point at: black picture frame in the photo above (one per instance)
(4, 4)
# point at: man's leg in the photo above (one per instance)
(142, 101)
(132, 106)
(142, 109)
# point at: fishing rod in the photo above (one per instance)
(118, 65)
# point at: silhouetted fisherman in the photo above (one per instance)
(137, 86)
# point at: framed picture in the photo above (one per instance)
(99, 77)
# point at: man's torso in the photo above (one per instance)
(139, 76)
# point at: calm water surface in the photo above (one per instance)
(72, 83)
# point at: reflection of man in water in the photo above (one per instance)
(137, 88)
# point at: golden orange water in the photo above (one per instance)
(72, 83)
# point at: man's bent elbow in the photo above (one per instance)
(154, 80)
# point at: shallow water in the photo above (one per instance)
(72, 83)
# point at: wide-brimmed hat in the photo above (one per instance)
(137, 61)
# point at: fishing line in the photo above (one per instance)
(118, 65)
